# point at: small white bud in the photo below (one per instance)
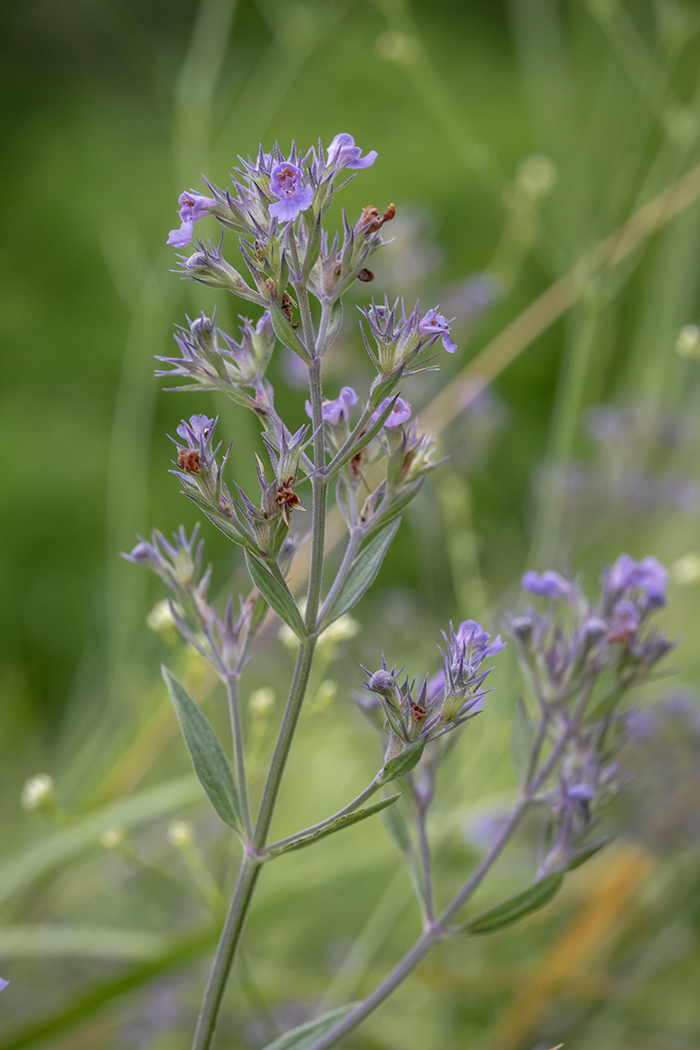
(261, 700)
(339, 631)
(536, 175)
(686, 570)
(688, 341)
(160, 618)
(37, 792)
(395, 46)
(180, 834)
(112, 838)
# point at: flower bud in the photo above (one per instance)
(37, 792)
(181, 834)
(522, 627)
(688, 341)
(112, 838)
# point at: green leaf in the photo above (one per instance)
(305, 839)
(588, 851)
(396, 508)
(89, 942)
(208, 758)
(305, 1035)
(284, 331)
(516, 908)
(75, 1009)
(522, 740)
(403, 763)
(362, 574)
(276, 593)
(229, 526)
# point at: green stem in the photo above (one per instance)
(253, 859)
(234, 707)
(206, 1022)
(276, 847)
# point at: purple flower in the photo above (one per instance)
(641, 723)
(433, 323)
(197, 431)
(649, 575)
(293, 195)
(625, 622)
(400, 414)
(193, 206)
(341, 408)
(580, 793)
(3, 984)
(548, 584)
(471, 635)
(343, 153)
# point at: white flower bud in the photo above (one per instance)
(688, 341)
(37, 792)
(180, 834)
(261, 701)
(112, 838)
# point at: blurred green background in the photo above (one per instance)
(512, 137)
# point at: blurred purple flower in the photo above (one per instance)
(549, 584)
(625, 622)
(193, 206)
(286, 184)
(3, 984)
(400, 413)
(641, 723)
(580, 793)
(649, 575)
(343, 153)
(433, 323)
(333, 411)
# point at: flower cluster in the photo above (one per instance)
(399, 338)
(427, 710)
(222, 641)
(581, 658)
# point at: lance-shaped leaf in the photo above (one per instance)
(276, 593)
(395, 508)
(305, 838)
(588, 851)
(305, 1035)
(516, 908)
(208, 758)
(403, 763)
(230, 526)
(362, 574)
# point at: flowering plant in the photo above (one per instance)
(579, 657)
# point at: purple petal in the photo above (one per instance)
(182, 237)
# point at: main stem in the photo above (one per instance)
(253, 860)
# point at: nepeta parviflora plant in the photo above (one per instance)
(579, 657)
